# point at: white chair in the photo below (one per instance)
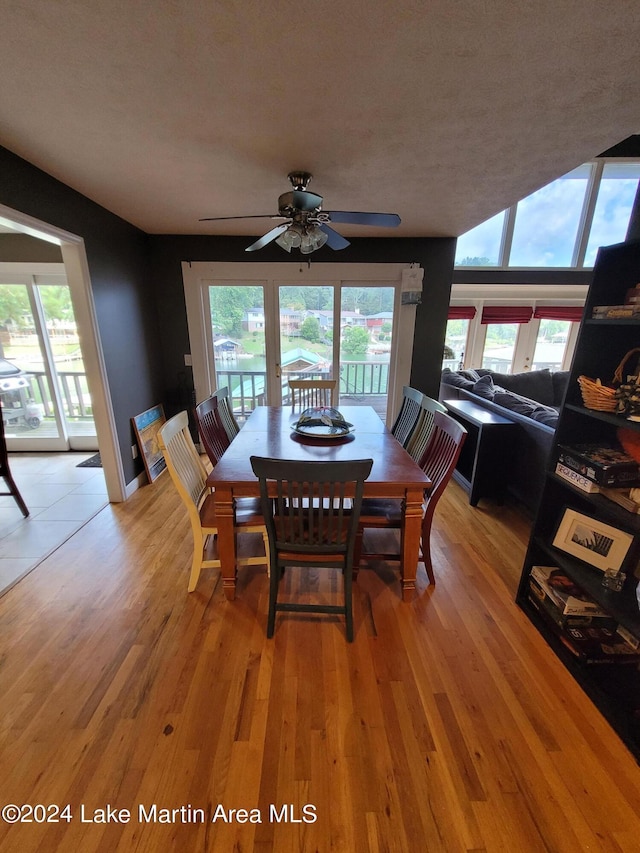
(308, 393)
(190, 479)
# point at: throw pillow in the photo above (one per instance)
(449, 377)
(470, 374)
(484, 388)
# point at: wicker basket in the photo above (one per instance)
(597, 396)
(603, 398)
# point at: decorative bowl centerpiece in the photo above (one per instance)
(322, 422)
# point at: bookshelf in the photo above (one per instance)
(601, 345)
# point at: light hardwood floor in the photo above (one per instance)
(447, 725)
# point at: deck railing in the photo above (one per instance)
(358, 380)
(76, 399)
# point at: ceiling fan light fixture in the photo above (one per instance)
(313, 238)
(291, 238)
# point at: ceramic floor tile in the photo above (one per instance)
(74, 507)
(43, 494)
(34, 538)
(72, 476)
(11, 571)
(61, 497)
(94, 486)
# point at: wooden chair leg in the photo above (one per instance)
(274, 580)
(348, 603)
(357, 555)
(265, 540)
(15, 493)
(426, 546)
(196, 564)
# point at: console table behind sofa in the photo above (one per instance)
(532, 442)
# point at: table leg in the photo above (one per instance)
(411, 541)
(225, 517)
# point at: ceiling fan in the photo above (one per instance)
(307, 226)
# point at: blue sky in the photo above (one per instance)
(547, 221)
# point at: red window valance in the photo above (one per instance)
(461, 312)
(572, 313)
(506, 314)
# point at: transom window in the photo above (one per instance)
(561, 225)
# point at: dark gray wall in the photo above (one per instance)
(436, 256)
(116, 253)
(139, 297)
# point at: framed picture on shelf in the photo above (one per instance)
(592, 541)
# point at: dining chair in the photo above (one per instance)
(307, 393)
(225, 406)
(190, 479)
(5, 473)
(408, 415)
(419, 438)
(211, 427)
(438, 461)
(311, 511)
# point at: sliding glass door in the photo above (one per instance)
(43, 387)
(254, 334)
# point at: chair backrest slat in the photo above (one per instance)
(408, 415)
(316, 506)
(183, 462)
(442, 452)
(311, 393)
(419, 438)
(225, 407)
(211, 428)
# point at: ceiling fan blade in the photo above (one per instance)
(306, 201)
(386, 220)
(268, 237)
(255, 216)
(334, 240)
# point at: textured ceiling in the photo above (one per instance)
(444, 112)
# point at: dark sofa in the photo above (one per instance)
(531, 400)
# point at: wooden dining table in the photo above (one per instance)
(270, 431)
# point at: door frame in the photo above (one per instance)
(198, 275)
(76, 268)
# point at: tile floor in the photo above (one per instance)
(61, 498)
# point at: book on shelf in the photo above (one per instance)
(627, 498)
(606, 465)
(633, 641)
(615, 312)
(565, 601)
(592, 644)
(576, 479)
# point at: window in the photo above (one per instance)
(546, 225)
(513, 328)
(589, 207)
(481, 247)
(457, 335)
(616, 195)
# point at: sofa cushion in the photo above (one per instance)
(545, 415)
(514, 402)
(535, 385)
